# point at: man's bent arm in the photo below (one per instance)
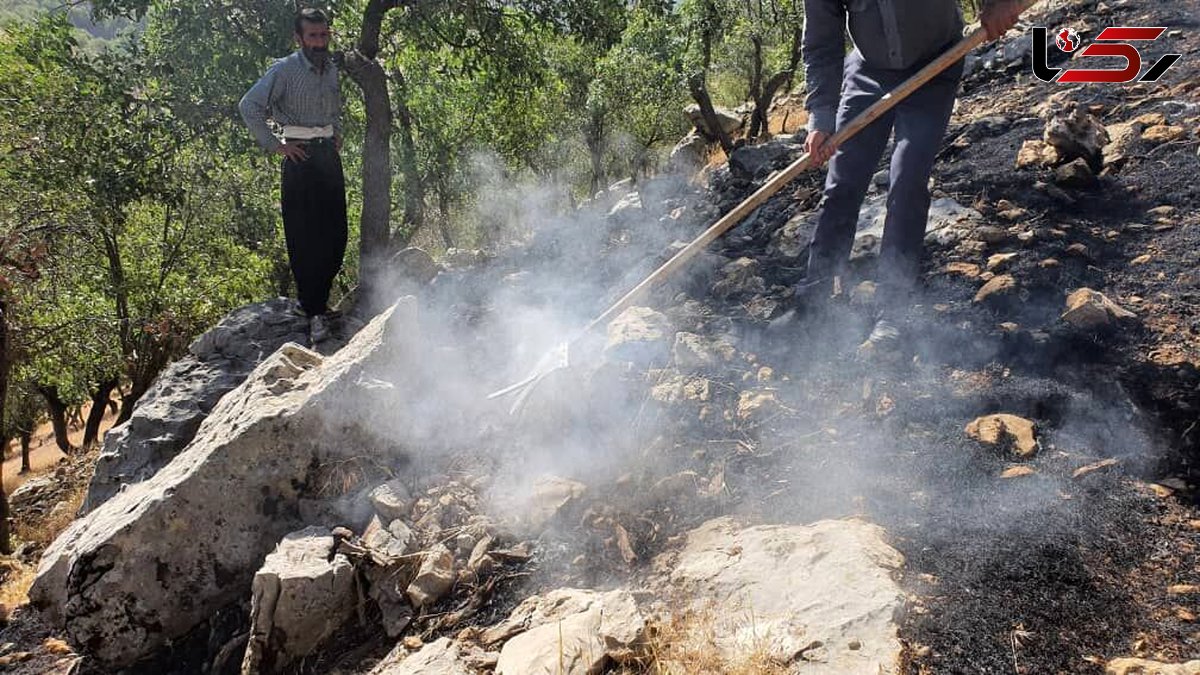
(824, 54)
(255, 107)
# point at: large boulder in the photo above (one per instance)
(168, 415)
(155, 560)
(300, 596)
(729, 121)
(820, 595)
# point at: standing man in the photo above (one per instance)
(892, 39)
(300, 93)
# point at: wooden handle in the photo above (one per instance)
(762, 194)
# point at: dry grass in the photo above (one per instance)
(686, 644)
(16, 576)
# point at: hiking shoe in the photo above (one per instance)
(318, 328)
(884, 342)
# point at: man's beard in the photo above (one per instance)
(317, 55)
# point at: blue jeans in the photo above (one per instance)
(919, 122)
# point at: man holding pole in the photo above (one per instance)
(892, 39)
(300, 92)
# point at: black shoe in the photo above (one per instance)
(885, 343)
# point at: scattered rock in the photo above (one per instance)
(1094, 467)
(440, 657)
(1076, 134)
(391, 500)
(740, 277)
(569, 631)
(1075, 174)
(1163, 133)
(1018, 471)
(551, 494)
(640, 335)
(434, 578)
(997, 262)
(757, 405)
(1124, 141)
(749, 160)
(1140, 260)
(1036, 153)
(963, 269)
(1134, 666)
(1005, 431)
(991, 235)
(692, 351)
(998, 287)
(1088, 310)
(302, 594)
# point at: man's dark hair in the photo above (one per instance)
(311, 15)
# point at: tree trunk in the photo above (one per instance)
(593, 136)
(58, 417)
(26, 437)
(414, 187)
(100, 398)
(700, 95)
(129, 399)
(5, 543)
(362, 67)
(762, 104)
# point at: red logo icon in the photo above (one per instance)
(1112, 41)
(1067, 39)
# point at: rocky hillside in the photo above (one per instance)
(717, 483)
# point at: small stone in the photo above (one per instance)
(863, 294)
(434, 578)
(1049, 263)
(765, 374)
(391, 500)
(1163, 210)
(1018, 471)
(413, 642)
(1163, 133)
(1075, 174)
(999, 286)
(999, 261)
(1093, 467)
(1035, 153)
(1185, 614)
(1009, 326)
(964, 269)
(1183, 589)
(1140, 260)
(991, 235)
(640, 335)
(1151, 119)
(1087, 309)
(1136, 666)
(1078, 250)
(1005, 430)
(757, 405)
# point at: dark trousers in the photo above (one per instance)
(314, 222)
(919, 122)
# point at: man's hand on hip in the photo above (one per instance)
(816, 144)
(997, 17)
(293, 152)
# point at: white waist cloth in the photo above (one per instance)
(307, 133)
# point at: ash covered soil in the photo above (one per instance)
(1057, 558)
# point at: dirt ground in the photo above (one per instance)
(43, 451)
